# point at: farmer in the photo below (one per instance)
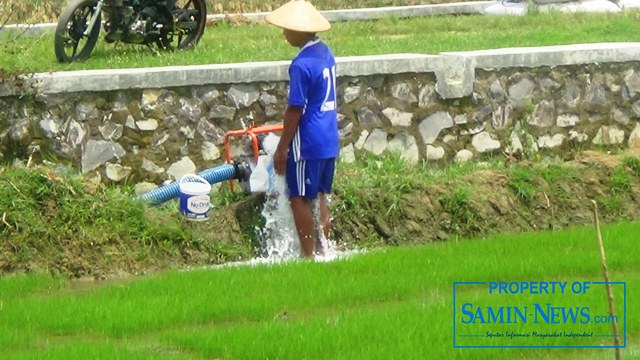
(309, 143)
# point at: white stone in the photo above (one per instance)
(449, 138)
(242, 95)
(427, 96)
(117, 172)
(567, 120)
(403, 91)
(376, 142)
(432, 125)
(550, 142)
(347, 154)
(521, 91)
(130, 122)
(147, 125)
(50, 124)
(209, 151)
(609, 135)
(144, 187)
(461, 119)
(151, 167)
(405, 145)
(397, 117)
(578, 137)
(98, 152)
(75, 133)
(150, 97)
(351, 93)
(363, 137)
(620, 117)
(515, 145)
(483, 142)
(634, 137)
(463, 155)
(182, 167)
(434, 153)
(111, 131)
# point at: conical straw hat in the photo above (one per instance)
(299, 15)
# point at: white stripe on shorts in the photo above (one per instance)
(300, 166)
(295, 147)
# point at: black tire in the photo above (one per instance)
(70, 43)
(190, 19)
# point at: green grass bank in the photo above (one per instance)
(38, 11)
(55, 221)
(233, 42)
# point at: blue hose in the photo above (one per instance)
(214, 175)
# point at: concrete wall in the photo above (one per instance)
(156, 124)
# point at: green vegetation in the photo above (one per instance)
(523, 184)
(633, 164)
(231, 42)
(59, 222)
(394, 303)
(37, 11)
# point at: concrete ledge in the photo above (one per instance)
(28, 29)
(160, 77)
(551, 55)
(386, 64)
(455, 71)
(174, 76)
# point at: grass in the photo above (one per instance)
(390, 303)
(34, 11)
(227, 42)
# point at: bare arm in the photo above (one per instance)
(292, 117)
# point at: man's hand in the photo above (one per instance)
(292, 117)
(280, 160)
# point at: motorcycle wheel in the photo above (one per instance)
(70, 42)
(190, 18)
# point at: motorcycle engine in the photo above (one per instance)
(137, 22)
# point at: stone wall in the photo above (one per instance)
(154, 125)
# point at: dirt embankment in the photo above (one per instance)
(526, 197)
(547, 197)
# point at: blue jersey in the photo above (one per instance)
(313, 87)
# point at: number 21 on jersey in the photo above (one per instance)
(329, 76)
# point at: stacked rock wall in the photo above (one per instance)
(157, 134)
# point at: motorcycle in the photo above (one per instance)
(169, 24)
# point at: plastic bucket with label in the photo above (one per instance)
(195, 201)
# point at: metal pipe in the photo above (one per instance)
(94, 18)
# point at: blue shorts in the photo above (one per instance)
(309, 177)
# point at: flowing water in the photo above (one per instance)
(278, 235)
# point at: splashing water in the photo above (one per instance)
(279, 236)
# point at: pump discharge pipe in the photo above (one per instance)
(240, 171)
(214, 175)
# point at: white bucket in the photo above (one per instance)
(194, 197)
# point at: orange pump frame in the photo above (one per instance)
(252, 132)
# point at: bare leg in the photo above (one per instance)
(303, 217)
(325, 222)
